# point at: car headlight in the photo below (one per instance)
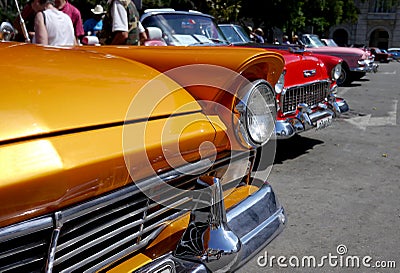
(281, 83)
(257, 111)
(336, 71)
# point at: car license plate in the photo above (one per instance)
(323, 123)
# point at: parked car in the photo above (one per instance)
(235, 34)
(100, 155)
(380, 55)
(297, 83)
(329, 42)
(356, 62)
(395, 53)
(305, 94)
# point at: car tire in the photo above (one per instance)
(344, 77)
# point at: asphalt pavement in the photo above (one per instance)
(340, 187)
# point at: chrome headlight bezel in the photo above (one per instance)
(256, 114)
(280, 84)
(336, 71)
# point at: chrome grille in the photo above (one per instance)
(100, 232)
(311, 94)
(24, 247)
(92, 235)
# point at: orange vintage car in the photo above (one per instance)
(109, 165)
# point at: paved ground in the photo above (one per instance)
(341, 186)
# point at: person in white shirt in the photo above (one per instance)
(126, 27)
(52, 27)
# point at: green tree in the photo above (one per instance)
(299, 16)
(225, 10)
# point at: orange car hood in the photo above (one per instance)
(252, 63)
(62, 127)
(85, 90)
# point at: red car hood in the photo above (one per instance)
(297, 63)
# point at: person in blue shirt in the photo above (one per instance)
(94, 24)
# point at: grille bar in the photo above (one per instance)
(311, 94)
(75, 230)
(96, 233)
(21, 249)
(24, 246)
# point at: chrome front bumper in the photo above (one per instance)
(306, 119)
(370, 67)
(256, 221)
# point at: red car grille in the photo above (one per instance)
(311, 94)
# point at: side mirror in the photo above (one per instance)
(7, 31)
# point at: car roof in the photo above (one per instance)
(150, 12)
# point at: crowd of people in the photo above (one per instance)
(257, 36)
(59, 23)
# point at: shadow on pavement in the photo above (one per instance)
(294, 147)
(351, 84)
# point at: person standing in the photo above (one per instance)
(94, 24)
(28, 15)
(259, 35)
(295, 40)
(121, 26)
(285, 40)
(74, 14)
(52, 27)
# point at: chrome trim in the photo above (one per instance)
(304, 120)
(54, 234)
(53, 243)
(283, 129)
(309, 73)
(208, 238)
(360, 69)
(311, 94)
(18, 230)
(243, 133)
(179, 265)
(30, 240)
(254, 232)
(339, 106)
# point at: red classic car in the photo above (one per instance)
(305, 94)
(380, 55)
(356, 62)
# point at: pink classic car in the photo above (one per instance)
(356, 62)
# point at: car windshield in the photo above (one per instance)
(330, 42)
(312, 41)
(186, 29)
(235, 34)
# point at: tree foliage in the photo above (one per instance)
(291, 16)
(297, 16)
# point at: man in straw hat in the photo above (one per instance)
(94, 24)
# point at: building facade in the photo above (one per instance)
(378, 25)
